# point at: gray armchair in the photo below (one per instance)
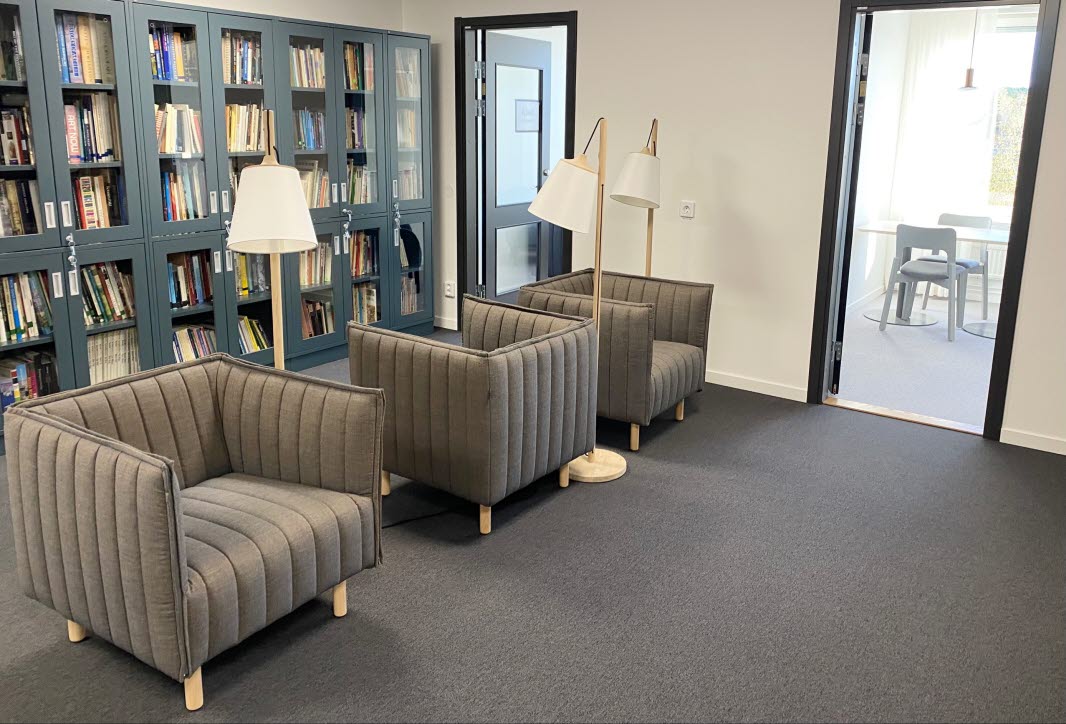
(653, 339)
(176, 512)
(480, 421)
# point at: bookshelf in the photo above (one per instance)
(315, 307)
(361, 122)
(408, 129)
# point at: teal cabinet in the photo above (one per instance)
(316, 287)
(190, 297)
(250, 315)
(409, 271)
(366, 260)
(361, 121)
(410, 129)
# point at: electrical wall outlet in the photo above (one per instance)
(449, 290)
(688, 209)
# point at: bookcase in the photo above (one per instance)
(125, 127)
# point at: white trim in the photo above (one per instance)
(868, 297)
(754, 384)
(1034, 440)
(451, 323)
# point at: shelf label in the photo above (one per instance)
(57, 285)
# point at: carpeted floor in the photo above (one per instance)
(763, 560)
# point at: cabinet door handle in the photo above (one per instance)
(225, 202)
(72, 282)
(334, 193)
(336, 245)
(347, 246)
(50, 214)
(65, 208)
(344, 190)
(229, 260)
(395, 189)
(395, 237)
(218, 262)
(57, 285)
(214, 201)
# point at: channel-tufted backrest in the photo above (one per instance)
(169, 412)
(487, 327)
(579, 282)
(682, 309)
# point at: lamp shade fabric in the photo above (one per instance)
(638, 183)
(270, 215)
(568, 197)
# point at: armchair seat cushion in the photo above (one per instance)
(258, 548)
(677, 370)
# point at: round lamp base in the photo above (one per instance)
(598, 466)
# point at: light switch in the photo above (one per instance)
(688, 209)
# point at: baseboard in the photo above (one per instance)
(865, 298)
(1033, 440)
(446, 322)
(754, 384)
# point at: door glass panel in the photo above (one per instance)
(315, 273)
(255, 320)
(516, 256)
(517, 134)
(412, 288)
(109, 308)
(409, 123)
(249, 124)
(20, 203)
(28, 367)
(191, 293)
(86, 50)
(366, 279)
(307, 77)
(360, 122)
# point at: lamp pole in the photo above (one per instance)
(653, 142)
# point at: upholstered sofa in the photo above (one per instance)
(516, 401)
(653, 339)
(176, 512)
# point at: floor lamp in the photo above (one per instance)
(638, 184)
(567, 199)
(270, 216)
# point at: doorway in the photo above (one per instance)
(514, 107)
(938, 114)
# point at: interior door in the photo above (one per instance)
(516, 113)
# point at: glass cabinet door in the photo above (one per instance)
(412, 268)
(308, 89)
(191, 301)
(90, 116)
(28, 217)
(243, 53)
(362, 246)
(315, 306)
(409, 129)
(251, 318)
(111, 334)
(173, 61)
(361, 122)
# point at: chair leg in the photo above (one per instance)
(960, 306)
(953, 290)
(908, 299)
(485, 519)
(76, 632)
(984, 292)
(194, 690)
(564, 476)
(928, 291)
(340, 599)
(888, 297)
(386, 483)
(679, 411)
(634, 437)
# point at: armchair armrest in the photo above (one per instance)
(98, 536)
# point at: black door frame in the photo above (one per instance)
(1032, 133)
(561, 247)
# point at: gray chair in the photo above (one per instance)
(969, 266)
(653, 340)
(176, 512)
(516, 401)
(934, 271)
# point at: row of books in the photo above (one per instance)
(173, 52)
(251, 273)
(362, 181)
(315, 179)
(249, 127)
(25, 307)
(410, 179)
(178, 129)
(92, 133)
(17, 135)
(242, 57)
(19, 207)
(355, 129)
(184, 191)
(410, 293)
(114, 354)
(365, 303)
(100, 199)
(358, 66)
(307, 67)
(408, 74)
(189, 278)
(364, 253)
(316, 317)
(193, 341)
(12, 53)
(309, 129)
(107, 293)
(251, 335)
(27, 376)
(407, 128)
(86, 48)
(316, 266)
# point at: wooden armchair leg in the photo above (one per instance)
(194, 690)
(634, 437)
(679, 411)
(340, 599)
(386, 483)
(485, 519)
(76, 632)
(564, 475)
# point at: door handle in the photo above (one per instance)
(65, 208)
(336, 245)
(72, 282)
(229, 260)
(57, 285)
(334, 193)
(225, 202)
(214, 201)
(50, 214)
(218, 262)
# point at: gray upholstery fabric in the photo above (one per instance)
(636, 313)
(967, 263)
(178, 511)
(925, 270)
(676, 370)
(483, 420)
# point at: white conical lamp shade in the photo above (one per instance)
(568, 197)
(270, 215)
(638, 183)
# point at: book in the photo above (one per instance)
(25, 306)
(113, 354)
(193, 342)
(307, 67)
(408, 73)
(242, 57)
(315, 267)
(12, 52)
(309, 129)
(364, 254)
(314, 178)
(172, 52)
(27, 376)
(107, 293)
(19, 207)
(365, 303)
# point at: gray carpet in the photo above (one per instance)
(763, 560)
(916, 369)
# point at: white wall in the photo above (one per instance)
(384, 14)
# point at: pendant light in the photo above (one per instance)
(968, 85)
